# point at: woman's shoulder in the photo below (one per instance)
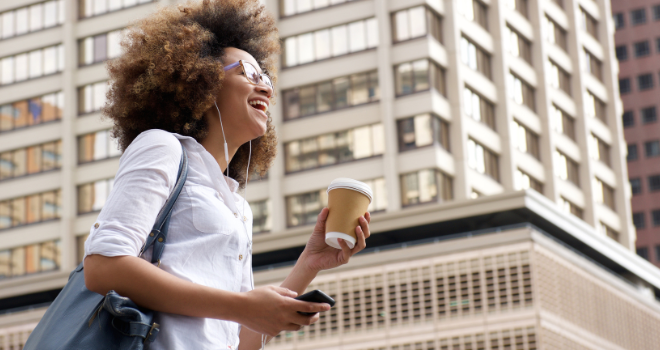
(154, 145)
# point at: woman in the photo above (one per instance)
(182, 81)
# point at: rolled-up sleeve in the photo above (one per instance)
(146, 176)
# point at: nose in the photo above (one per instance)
(262, 87)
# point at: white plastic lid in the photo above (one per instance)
(350, 184)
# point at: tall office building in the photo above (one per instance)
(489, 131)
(637, 49)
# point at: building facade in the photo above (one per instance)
(432, 103)
(637, 49)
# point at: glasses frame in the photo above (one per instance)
(242, 63)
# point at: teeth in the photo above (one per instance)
(257, 102)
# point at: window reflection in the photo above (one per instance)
(523, 181)
(416, 22)
(482, 160)
(595, 108)
(566, 168)
(32, 111)
(92, 196)
(303, 209)
(334, 148)
(30, 19)
(338, 93)
(525, 140)
(91, 98)
(521, 92)
(475, 57)
(422, 130)
(96, 146)
(30, 259)
(419, 76)
(478, 108)
(425, 186)
(99, 48)
(517, 45)
(325, 43)
(31, 65)
(30, 209)
(554, 33)
(30, 160)
(89, 8)
(261, 217)
(292, 7)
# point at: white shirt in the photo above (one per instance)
(210, 232)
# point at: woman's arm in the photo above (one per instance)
(317, 256)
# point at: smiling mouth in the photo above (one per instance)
(260, 105)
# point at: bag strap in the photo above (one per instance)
(158, 235)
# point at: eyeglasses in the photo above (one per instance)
(251, 73)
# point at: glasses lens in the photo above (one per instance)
(267, 80)
(251, 73)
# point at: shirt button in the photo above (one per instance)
(244, 218)
(240, 257)
(96, 225)
(236, 215)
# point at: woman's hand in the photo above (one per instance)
(319, 256)
(270, 310)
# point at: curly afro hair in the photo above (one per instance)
(171, 69)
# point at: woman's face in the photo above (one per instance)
(242, 118)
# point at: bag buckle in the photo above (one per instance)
(150, 333)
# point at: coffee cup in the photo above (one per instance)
(348, 200)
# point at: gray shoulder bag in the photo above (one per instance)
(82, 319)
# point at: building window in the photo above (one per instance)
(330, 42)
(517, 45)
(639, 220)
(562, 122)
(519, 6)
(654, 183)
(29, 259)
(649, 115)
(348, 91)
(559, 3)
(645, 81)
(523, 181)
(593, 65)
(638, 16)
(628, 119)
(608, 231)
(478, 108)
(652, 148)
(30, 209)
(636, 185)
(521, 92)
(91, 97)
(567, 169)
(655, 216)
(418, 76)
(559, 78)
(604, 194)
(656, 17)
(98, 48)
(525, 140)
(33, 111)
(31, 160)
(475, 57)
(416, 22)
(632, 152)
(571, 208)
(80, 247)
(334, 148)
(554, 33)
(89, 8)
(619, 20)
(31, 65)
(624, 86)
(622, 52)
(643, 252)
(642, 48)
(595, 108)
(261, 217)
(483, 160)
(31, 18)
(588, 23)
(657, 44)
(599, 150)
(474, 11)
(426, 186)
(292, 7)
(97, 146)
(92, 196)
(422, 130)
(303, 209)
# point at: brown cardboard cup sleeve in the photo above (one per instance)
(348, 199)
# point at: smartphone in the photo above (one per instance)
(315, 296)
